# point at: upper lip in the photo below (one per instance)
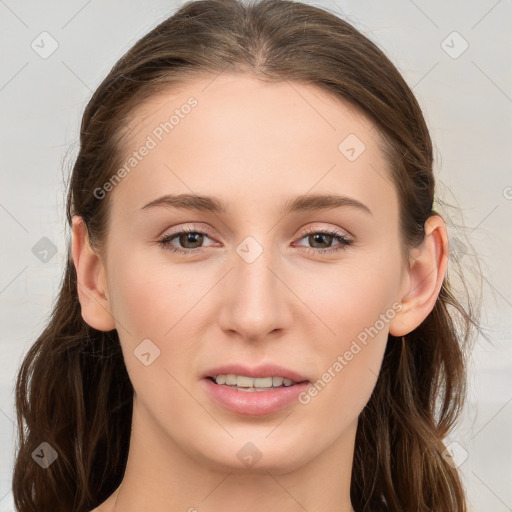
(263, 370)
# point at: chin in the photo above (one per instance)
(251, 453)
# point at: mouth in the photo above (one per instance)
(253, 384)
(265, 390)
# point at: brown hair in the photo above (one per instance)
(73, 390)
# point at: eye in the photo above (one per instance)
(190, 238)
(327, 236)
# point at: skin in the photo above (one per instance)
(244, 144)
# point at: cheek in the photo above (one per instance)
(348, 359)
(148, 300)
(150, 303)
(354, 310)
(160, 302)
(347, 299)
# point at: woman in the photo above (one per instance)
(300, 354)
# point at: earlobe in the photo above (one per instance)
(427, 270)
(91, 280)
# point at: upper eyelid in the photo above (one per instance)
(309, 229)
(305, 232)
(318, 229)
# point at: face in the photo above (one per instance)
(313, 289)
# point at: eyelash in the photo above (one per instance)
(343, 240)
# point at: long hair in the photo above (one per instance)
(73, 391)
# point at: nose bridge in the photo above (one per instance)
(252, 271)
(255, 301)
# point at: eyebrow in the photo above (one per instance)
(306, 202)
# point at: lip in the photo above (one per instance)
(254, 403)
(263, 370)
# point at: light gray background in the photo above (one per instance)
(467, 102)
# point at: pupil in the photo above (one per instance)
(319, 235)
(190, 237)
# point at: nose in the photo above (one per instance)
(255, 299)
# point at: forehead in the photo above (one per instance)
(239, 138)
(233, 104)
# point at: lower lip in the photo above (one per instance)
(254, 403)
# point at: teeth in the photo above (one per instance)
(277, 381)
(258, 383)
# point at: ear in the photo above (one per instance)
(425, 277)
(91, 280)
